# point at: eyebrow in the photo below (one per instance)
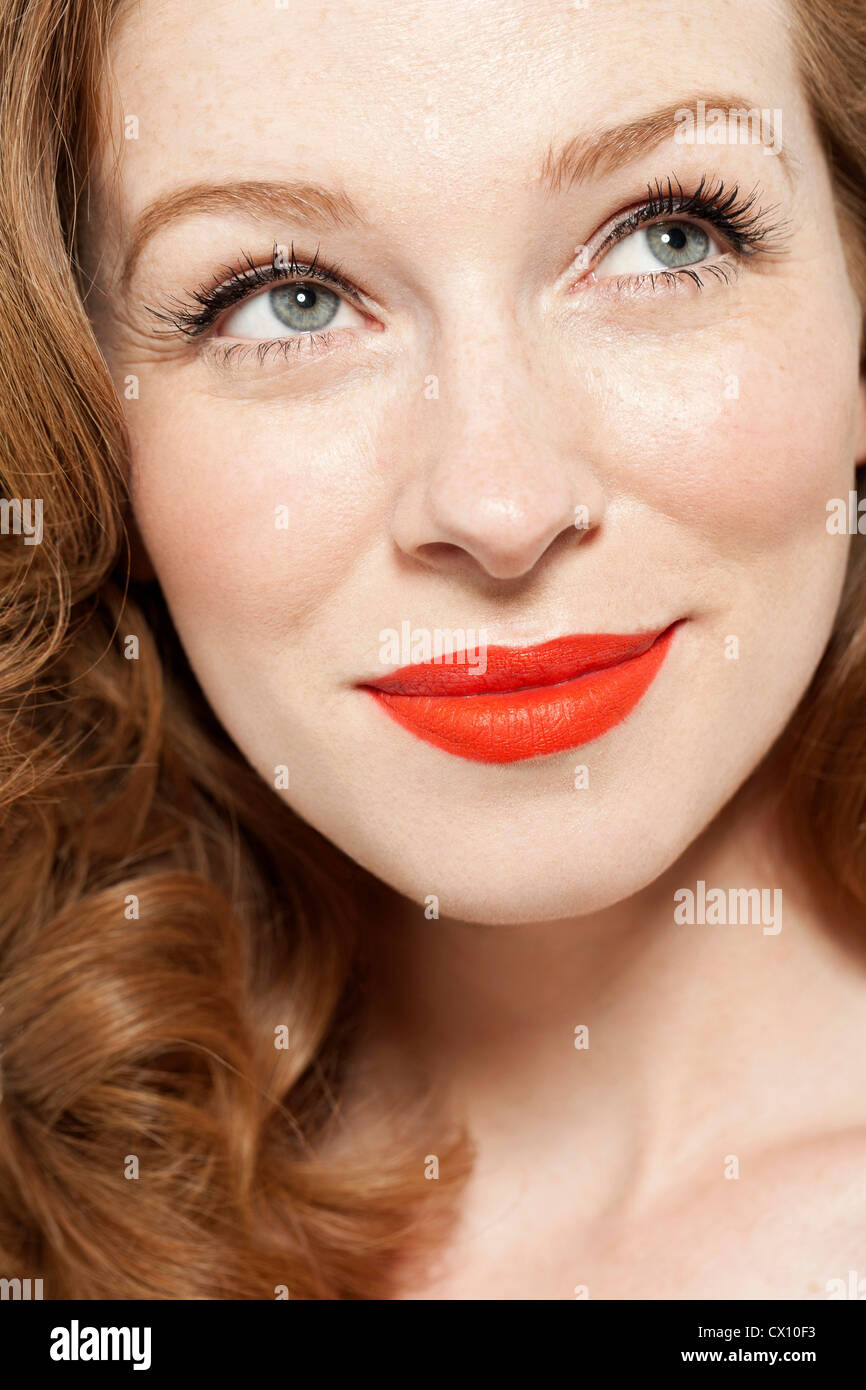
(585, 155)
(306, 203)
(316, 207)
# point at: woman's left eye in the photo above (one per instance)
(662, 246)
(285, 311)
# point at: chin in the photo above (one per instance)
(496, 885)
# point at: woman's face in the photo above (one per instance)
(504, 420)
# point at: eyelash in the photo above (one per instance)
(745, 227)
(210, 302)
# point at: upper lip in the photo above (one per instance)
(518, 668)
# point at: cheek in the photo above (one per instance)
(743, 442)
(732, 442)
(252, 526)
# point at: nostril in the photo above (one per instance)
(443, 555)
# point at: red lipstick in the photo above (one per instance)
(530, 700)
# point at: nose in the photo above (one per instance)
(500, 477)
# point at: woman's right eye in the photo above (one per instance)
(288, 310)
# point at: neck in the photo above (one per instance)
(628, 1033)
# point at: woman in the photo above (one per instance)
(433, 745)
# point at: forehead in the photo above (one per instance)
(430, 97)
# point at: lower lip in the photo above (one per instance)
(513, 725)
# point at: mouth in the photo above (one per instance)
(527, 701)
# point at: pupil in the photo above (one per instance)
(675, 238)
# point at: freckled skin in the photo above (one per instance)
(710, 508)
(704, 432)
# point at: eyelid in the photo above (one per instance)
(735, 218)
(237, 353)
(625, 227)
(216, 299)
(620, 229)
(264, 277)
(242, 301)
